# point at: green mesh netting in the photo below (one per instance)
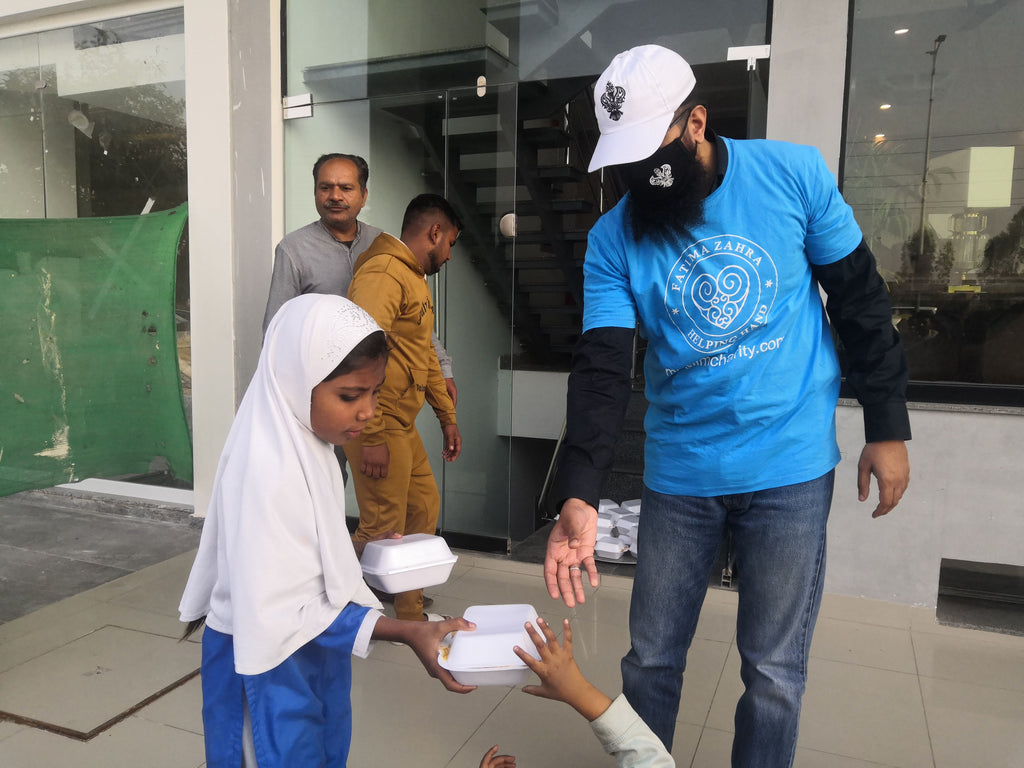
(89, 382)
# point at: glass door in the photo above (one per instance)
(460, 143)
(475, 145)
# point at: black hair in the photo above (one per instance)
(374, 347)
(362, 169)
(423, 205)
(191, 628)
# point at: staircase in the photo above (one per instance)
(626, 480)
(536, 168)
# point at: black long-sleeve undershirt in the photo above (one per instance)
(859, 309)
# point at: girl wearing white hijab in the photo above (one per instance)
(276, 577)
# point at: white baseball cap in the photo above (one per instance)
(635, 99)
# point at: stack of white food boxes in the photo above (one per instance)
(481, 657)
(617, 528)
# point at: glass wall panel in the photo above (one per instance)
(491, 104)
(932, 168)
(400, 46)
(92, 124)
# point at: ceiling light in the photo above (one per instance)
(885, 106)
(879, 137)
(901, 31)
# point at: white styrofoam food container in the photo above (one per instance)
(627, 524)
(631, 507)
(484, 656)
(608, 546)
(412, 562)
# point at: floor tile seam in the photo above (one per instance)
(87, 736)
(977, 634)
(718, 687)
(862, 622)
(700, 739)
(881, 624)
(939, 677)
(865, 665)
(139, 715)
(12, 631)
(67, 558)
(924, 704)
(15, 729)
(858, 665)
(482, 723)
(983, 686)
(484, 566)
(44, 649)
(845, 756)
(158, 515)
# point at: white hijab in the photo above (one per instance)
(275, 564)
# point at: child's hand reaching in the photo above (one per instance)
(560, 676)
(493, 760)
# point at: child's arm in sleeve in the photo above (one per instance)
(424, 637)
(620, 730)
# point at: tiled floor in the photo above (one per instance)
(889, 687)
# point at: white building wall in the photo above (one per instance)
(965, 496)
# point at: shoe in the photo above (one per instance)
(387, 597)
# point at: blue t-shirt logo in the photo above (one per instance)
(720, 289)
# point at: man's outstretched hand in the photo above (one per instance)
(571, 551)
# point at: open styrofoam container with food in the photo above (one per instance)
(484, 656)
(412, 562)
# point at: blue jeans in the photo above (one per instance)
(779, 539)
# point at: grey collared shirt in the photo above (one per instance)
(312, 260)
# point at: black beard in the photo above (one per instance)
(668, 218)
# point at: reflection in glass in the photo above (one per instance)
(935, 180)
(93, 125)
(492, 105)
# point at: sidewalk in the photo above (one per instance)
(889, 686)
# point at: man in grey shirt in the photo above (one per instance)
(318, 257)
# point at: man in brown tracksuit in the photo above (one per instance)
(393, 482)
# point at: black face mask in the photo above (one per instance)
(667, 192)
(665, 174)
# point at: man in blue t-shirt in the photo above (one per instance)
(716, 254)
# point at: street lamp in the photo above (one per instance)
(934, 53)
